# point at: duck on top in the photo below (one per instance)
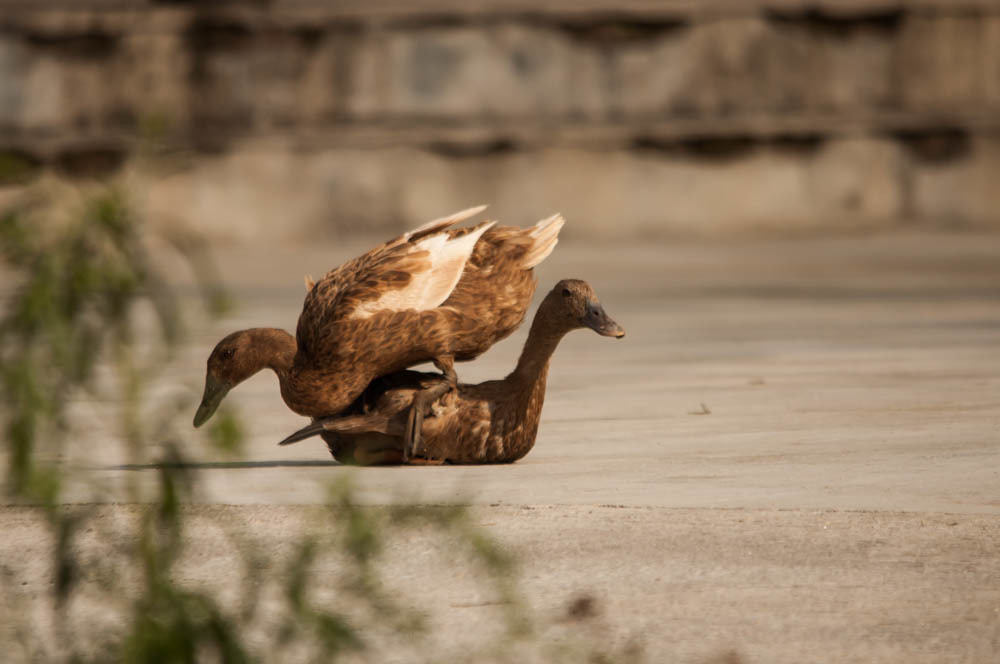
(433, 294)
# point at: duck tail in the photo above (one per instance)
(373, 423)
(312, 429)
(545, 236)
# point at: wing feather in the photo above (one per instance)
(443, 222)
(545, 235)
(432, 281)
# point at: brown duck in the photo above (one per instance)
(433, 294)
(492, 422)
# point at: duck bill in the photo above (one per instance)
(597, 320)
(215, 392)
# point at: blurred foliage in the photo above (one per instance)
(90, 319)
(16, 167)
(226, 433)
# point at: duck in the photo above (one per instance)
(491, 422)
(435, 293)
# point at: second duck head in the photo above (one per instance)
(572, 304)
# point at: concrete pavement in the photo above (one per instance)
(794, 454)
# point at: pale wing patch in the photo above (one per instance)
(430, 286)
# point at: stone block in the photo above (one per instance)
(745, 65)
(858, 181)
(960, 191)
(152, 76)
(14, 65)
(710, 67)
(266, 191)
(850, 71)
(65, 95)
(942, 61)
(321, 86)
(991, 60)
(252, 79)
(463, 72)
(651, 77)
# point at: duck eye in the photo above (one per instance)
(228, 353)
(565, 292)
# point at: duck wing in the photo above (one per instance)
(498, 283)
(415, 271)
(509, 248)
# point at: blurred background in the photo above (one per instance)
(300, 120)
(792, 206)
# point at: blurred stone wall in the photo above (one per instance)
(298, 119)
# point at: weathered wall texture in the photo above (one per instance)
(288, 119)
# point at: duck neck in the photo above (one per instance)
(275, 350)
(533, 365)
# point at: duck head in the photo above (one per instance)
(576, 305)
(236, 358)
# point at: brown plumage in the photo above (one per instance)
(491, 422)
(433, 294)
